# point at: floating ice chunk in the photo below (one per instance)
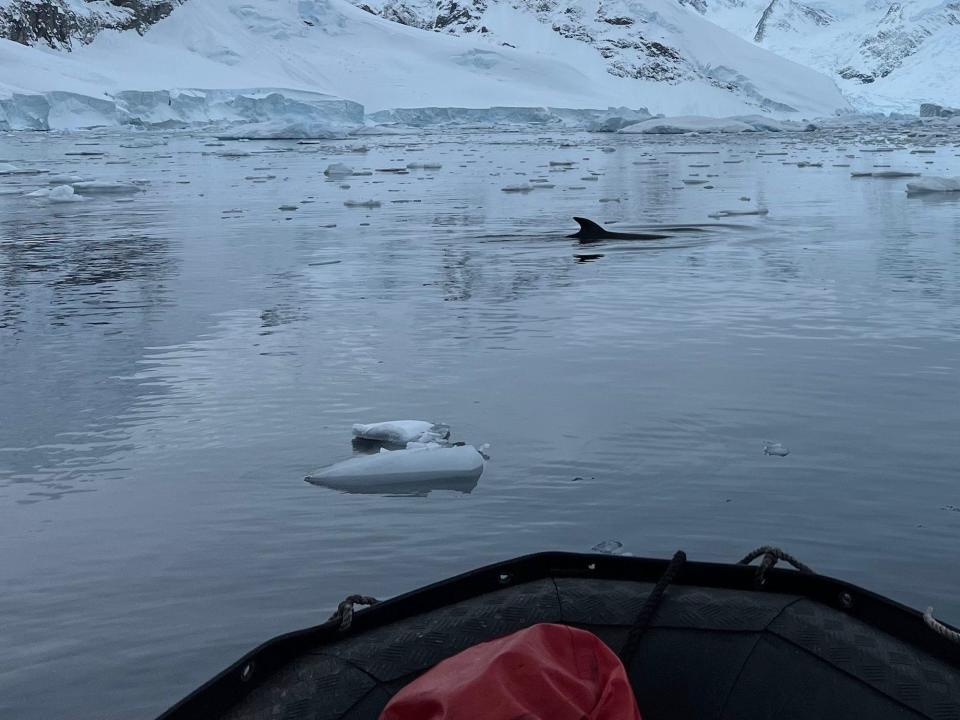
(889, 174)
(427, 468)
(362, 203)
(283, 129)
(734, 213)
(288, 208)
(525, 188)
(41, 193)
(401, 432)
(687, 124)
(608, 547)
(762, 123)
(64, 179)
(424, 445)
(934, 185)
(8, 169)
(233, 154)
(806, 164)
(338, 170)
(423, 166)
(694, 181)
(97, 187)
(63, 194)
(775, 448)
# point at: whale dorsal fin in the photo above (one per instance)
(589, 229)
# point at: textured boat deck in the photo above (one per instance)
(709, 653)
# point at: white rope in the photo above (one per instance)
(939, 628)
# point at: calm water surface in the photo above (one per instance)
(174, 362)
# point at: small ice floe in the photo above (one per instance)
(414, 470)
(524, 188)
(63, 194)
(97, 187)
(288, 208)
(590, 177)
(338, 170)
(934, 184)
(775, 448)
(888, 174)
(362, 203)
(561, 163)
(233, 154)
(736, 213)
(805, 164)
(11, 169)
(694, 181)
(608, 547)
(64, 179)
(423, 166)
(609, 200)
(401, 432)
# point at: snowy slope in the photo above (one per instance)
(639, 39)
(330, 46)
(885, 54)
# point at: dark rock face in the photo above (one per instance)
(57, 24)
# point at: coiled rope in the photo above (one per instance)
(343, 615)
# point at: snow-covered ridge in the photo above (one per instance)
(61, 23)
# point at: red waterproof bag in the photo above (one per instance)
(546, 672)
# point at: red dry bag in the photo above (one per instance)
(546, 672)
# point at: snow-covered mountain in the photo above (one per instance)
(634, 53)
(61, 23)
(885, 54)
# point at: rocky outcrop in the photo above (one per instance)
(61, 23)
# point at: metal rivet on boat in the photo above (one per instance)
(846, 600)
(246, 672)
(505, 578)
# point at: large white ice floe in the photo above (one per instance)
(401, 432)
(688, 124)
(431, 467)
(934, 184)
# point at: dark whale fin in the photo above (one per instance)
(589, 230)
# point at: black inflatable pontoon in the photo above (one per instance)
(723, 641)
